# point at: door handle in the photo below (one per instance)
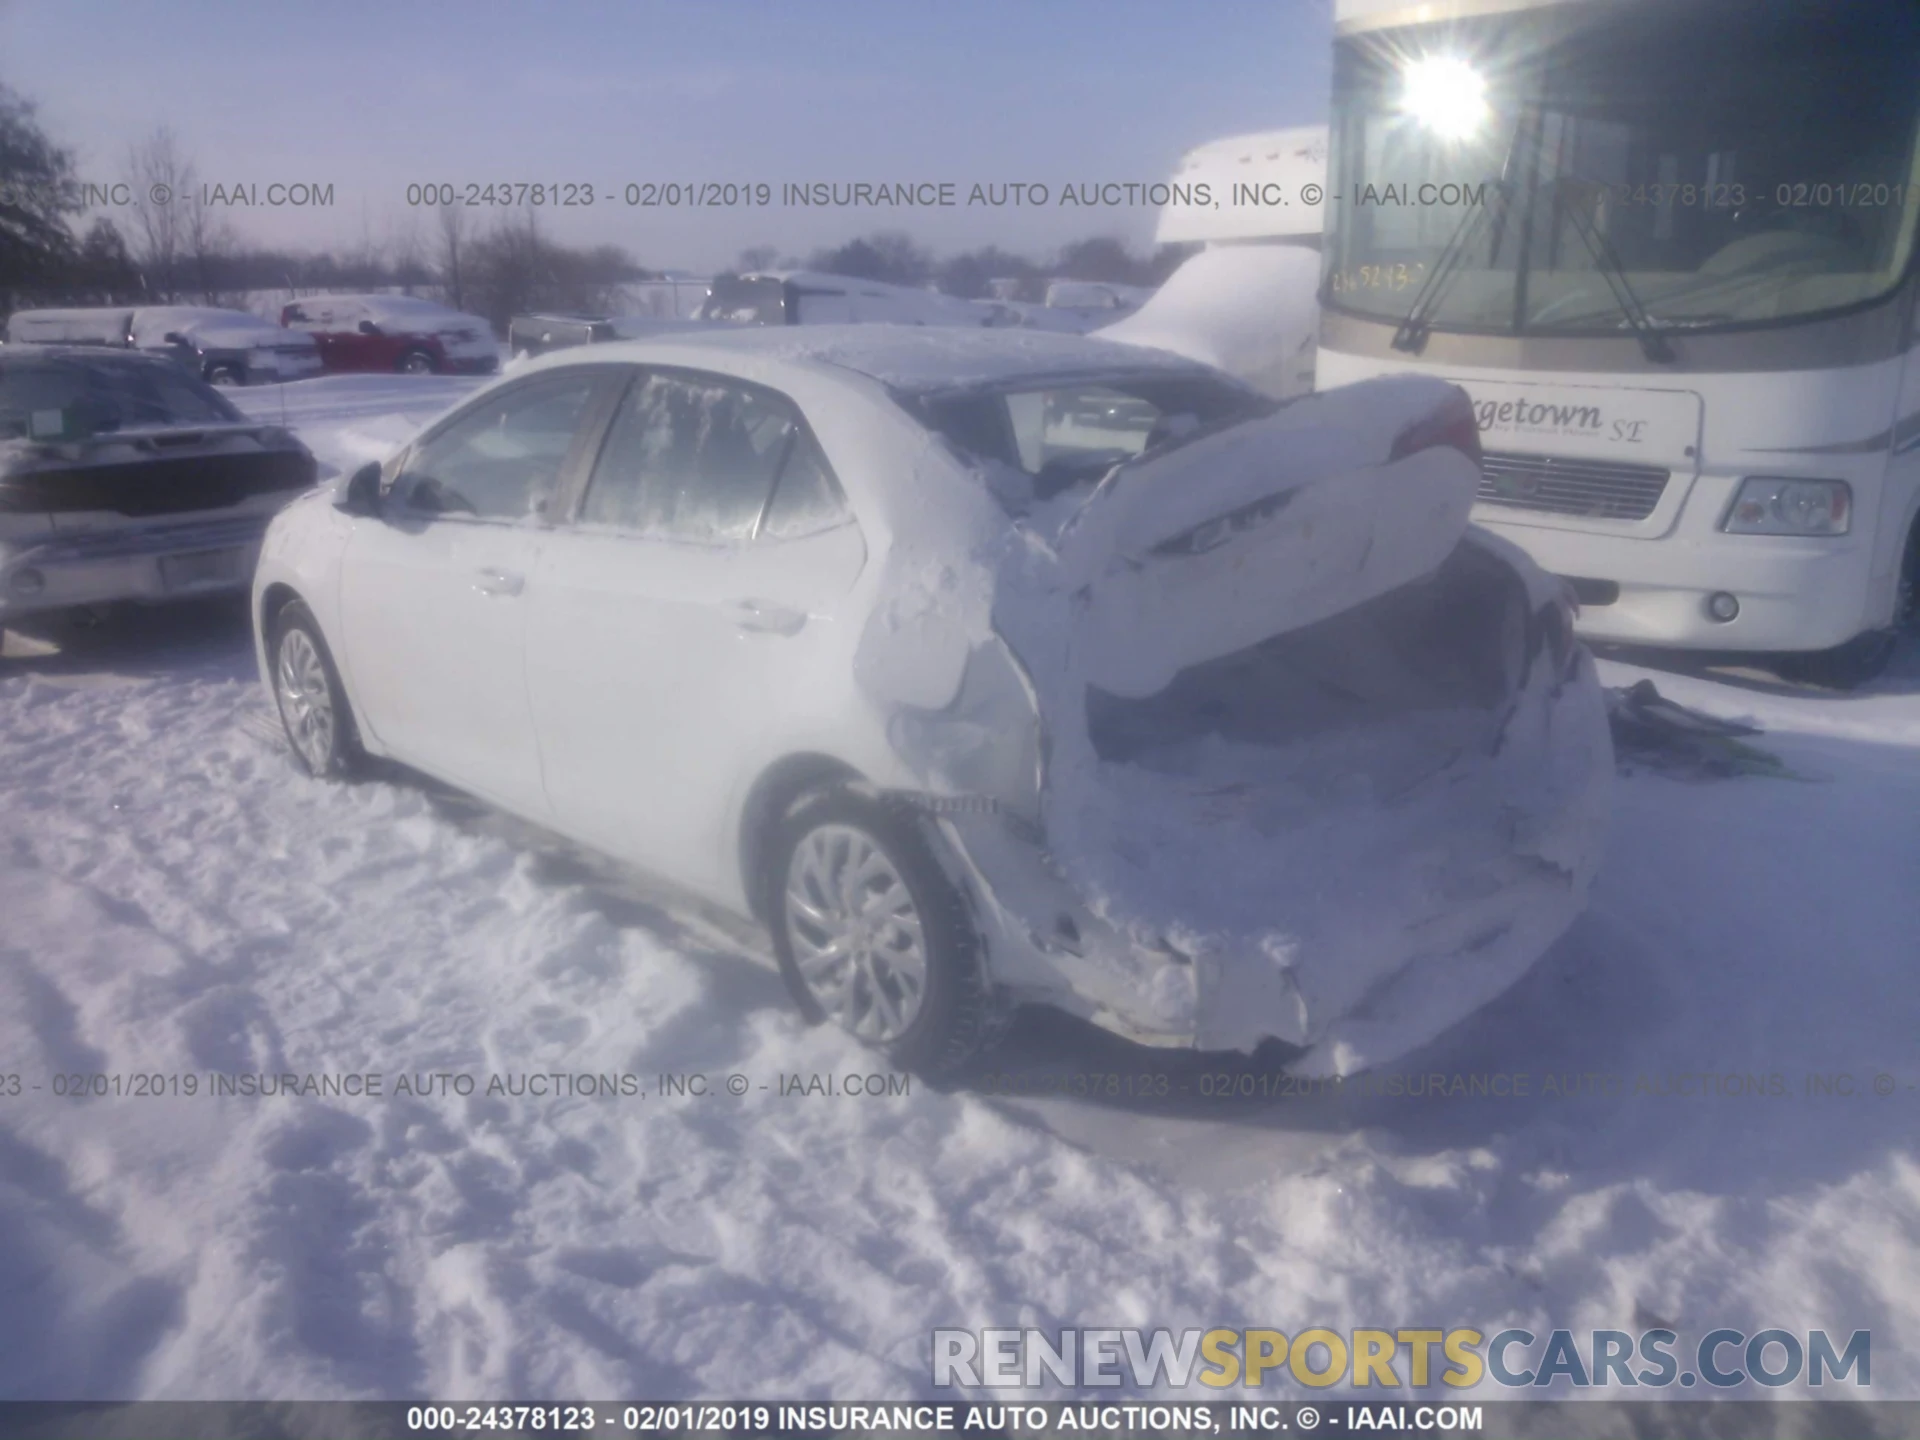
(765, 616)
(500, 582)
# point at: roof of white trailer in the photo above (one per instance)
(1288, 159)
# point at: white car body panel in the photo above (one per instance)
(720, 636)
(435, 655)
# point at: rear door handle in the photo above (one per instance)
(765, 616)
(500, 582)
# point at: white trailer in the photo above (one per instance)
(1246, 303)
(1667, 246)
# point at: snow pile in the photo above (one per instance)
(1251, 310)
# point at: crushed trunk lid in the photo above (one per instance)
(1194, 553)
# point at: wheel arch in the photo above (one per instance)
(1906, 577)
(273, 599)
(769, 799)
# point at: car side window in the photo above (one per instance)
(691, 457)
(806, 497)
(501, 459)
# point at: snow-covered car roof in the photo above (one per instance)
(411, 308)
(93, 324)
(910, 358)
(236, 328)
(395, 304)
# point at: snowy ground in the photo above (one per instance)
(175, 900)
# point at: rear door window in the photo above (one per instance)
(709, 459)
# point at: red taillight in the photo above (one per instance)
(1453, 425)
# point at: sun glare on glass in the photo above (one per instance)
(1446, 95)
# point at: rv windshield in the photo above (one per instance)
(1635, 165)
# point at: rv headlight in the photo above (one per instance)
(1768, 506)
(1445, 94)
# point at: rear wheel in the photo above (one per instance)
(415, 362)
(871, 934)
(225, 375)
(307, 691)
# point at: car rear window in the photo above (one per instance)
(59, 399)
(1056, 436)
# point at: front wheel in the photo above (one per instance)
(225, 375)
(416, 362)
(312, 703)
(871, 934)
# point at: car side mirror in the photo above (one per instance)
(367, 327)
(362, 495)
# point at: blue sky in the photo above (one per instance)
(372, 96)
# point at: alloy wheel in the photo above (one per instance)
(306, 699)
(858, 939)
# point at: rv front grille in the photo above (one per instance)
(1594, 489)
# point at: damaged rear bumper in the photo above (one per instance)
(1369, 977)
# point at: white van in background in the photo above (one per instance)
(1248, 302)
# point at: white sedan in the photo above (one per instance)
(984, 667)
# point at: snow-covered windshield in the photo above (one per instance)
(54, 398)
(1045, 439)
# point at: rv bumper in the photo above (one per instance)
(1788, 593)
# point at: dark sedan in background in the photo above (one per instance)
(123, 478)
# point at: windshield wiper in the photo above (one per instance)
(1653, 340)
(1416, 326)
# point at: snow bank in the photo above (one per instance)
(175, 899)
(1251, 310)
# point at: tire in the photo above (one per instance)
(1845, 667)
(415, 362)
(224, 375)
(311, 701)
(930, 1023)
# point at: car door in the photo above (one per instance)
(433, 592)
(687, 624)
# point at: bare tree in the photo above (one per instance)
(452, 254)
(404, 254)
(208, 241)
(162, 179)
